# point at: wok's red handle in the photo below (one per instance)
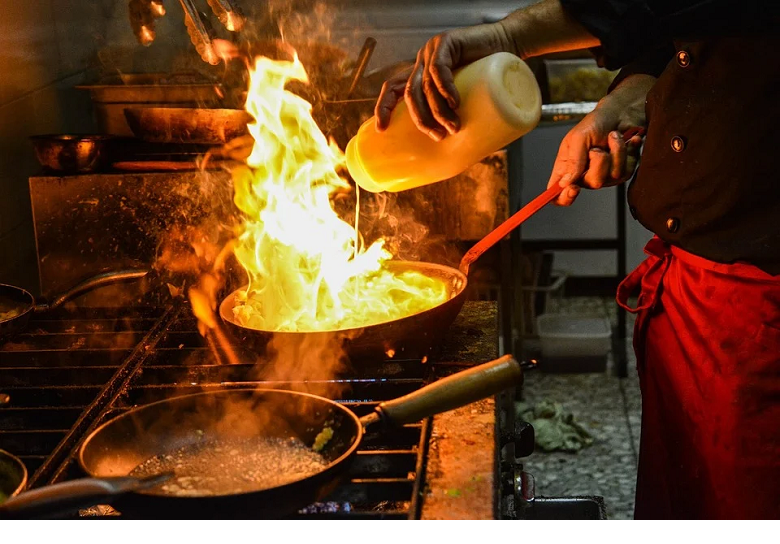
(523, 214)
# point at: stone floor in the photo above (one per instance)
(609, 407)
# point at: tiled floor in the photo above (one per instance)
(610, 408)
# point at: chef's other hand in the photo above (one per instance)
(594, 153)
(429, 89)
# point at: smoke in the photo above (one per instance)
(197, 252)
(308, 362)
(403, 221)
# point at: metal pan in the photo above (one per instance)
(411, 336)
(187, 125)
(20, 304)
(115, 448)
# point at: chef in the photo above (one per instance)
(702, 76)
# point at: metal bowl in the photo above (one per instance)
(71, 153)
(13, 475)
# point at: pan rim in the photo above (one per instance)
(19, 463)
(336, 462)
(225, 308)
(30, 305)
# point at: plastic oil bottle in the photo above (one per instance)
(500, 101)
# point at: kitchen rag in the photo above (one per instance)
(554, 429)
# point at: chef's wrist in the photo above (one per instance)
(627, 100)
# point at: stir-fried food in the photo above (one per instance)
(9, 312)
(308, 269)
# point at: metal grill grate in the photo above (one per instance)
(73, 370)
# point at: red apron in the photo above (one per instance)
(707, 342)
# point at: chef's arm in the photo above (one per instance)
(622, 30)
(429, 89)
(544, 28)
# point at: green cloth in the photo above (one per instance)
(554, 429)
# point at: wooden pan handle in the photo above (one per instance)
(453, 391)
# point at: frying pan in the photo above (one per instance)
(410, 336)
(16, 298)
(115, 448)
(187, 125)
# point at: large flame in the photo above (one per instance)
(306, 268)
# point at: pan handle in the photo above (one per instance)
(507, 226)
(451, 392)
(362, 62)
(101, 280)
(524, 213)
(68, 497)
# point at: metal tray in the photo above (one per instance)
(156, 88)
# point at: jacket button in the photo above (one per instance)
(678, 144)
(632, 209)
(683, 59)
(672, 224)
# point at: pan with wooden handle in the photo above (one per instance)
(111, 452)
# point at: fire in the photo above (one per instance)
(307, 268)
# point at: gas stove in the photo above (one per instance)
(71, 370)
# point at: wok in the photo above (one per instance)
(410, 336)
(22, 304)
(115, 448)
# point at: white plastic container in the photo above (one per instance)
(567, 336)
(500, 101)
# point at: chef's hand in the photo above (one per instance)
(428, 87)
(594, 153)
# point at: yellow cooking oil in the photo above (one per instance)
(500, 101)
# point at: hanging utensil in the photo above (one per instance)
(143, 15)
(199, 33)
(228, 13)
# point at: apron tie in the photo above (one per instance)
(646, 278)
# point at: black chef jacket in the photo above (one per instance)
(709, 180)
